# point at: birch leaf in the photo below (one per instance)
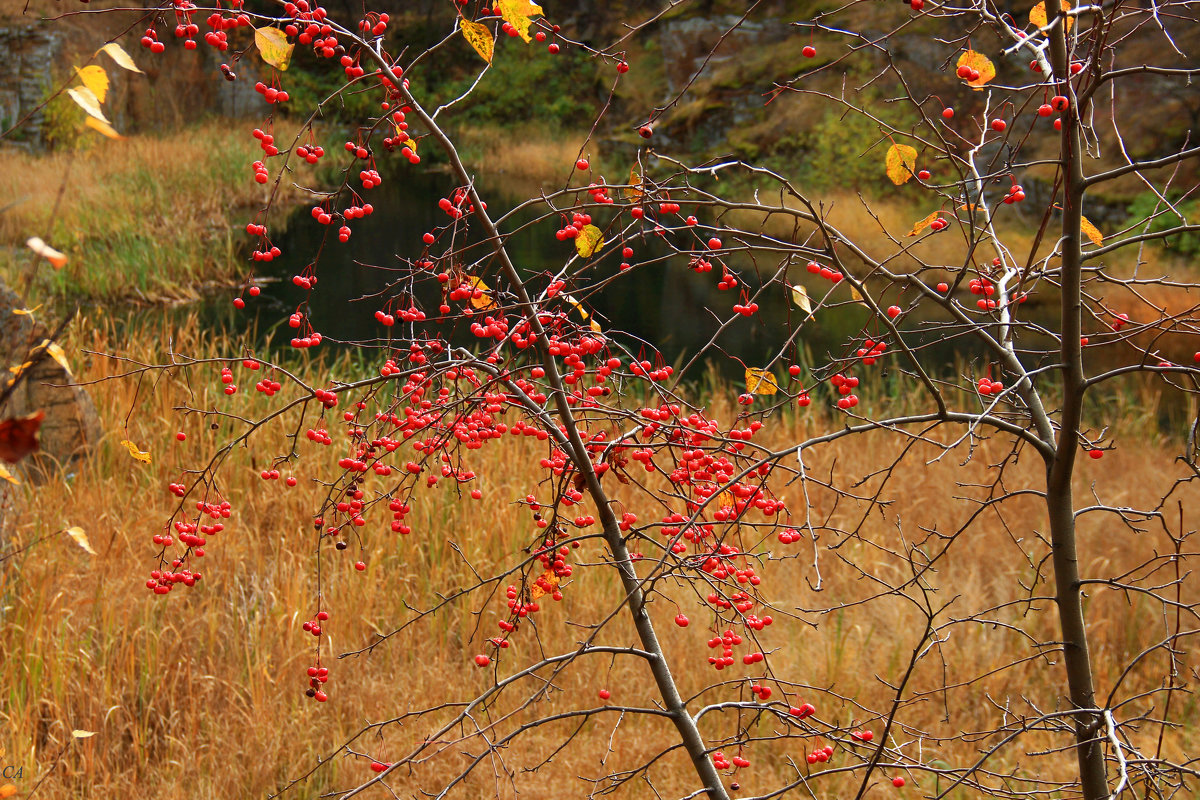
(1091, 231)
(760, 381)
(102, 128)
(274, 47)
(479, 37)
(81, 539)
(900, 161)
(517, 13)
(923, 224)
(84, 98)
(800, 298)
(981, 64)
(95, 79)
(118, 54)
(1037, 15)
(589, 241)
(137, 453)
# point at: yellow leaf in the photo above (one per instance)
(1091, 231)
(517, 13)
(726, 500)
(274, 47)
(84, 98)
(589, 241)
(635, 185)
(81, 539)
(95, 79)
(7, 790)
(800, 298)
(134, 451)
(7, 476)
(479, 37)
(78, 734)
(118, 54)
(981, 64)
(57, 260)
(900, 162)
(547, 578)
(22, 312)
(485, 300)
(57, 353)
(17, 370)
(1037, 15)
(760, 381)
(595, 326)
(857, 297)
(102, 128)
(923, 224)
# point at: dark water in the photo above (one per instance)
(662, 301)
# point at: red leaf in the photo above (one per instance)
(18, 436)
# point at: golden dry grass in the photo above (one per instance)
(200, 694)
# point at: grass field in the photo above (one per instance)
(200, 693)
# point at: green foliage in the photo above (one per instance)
(526, 83)
(1147, 204)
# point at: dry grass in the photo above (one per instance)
(200, 694)
(524, 160)
(147, 215)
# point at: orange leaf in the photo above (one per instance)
(57, 260)
(483, 301)
(923, 224)
(546, 583)
(760, 381)
(1091, 231)
(981, 64)
(479, 37)
(1037, 15)
(635, 191)
(18, 436)
(102, 128)
(900, 161)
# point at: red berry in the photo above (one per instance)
(947, 113)
(1095, 454)
(645, 131)
(681, 620)
(482, 661)
(897, 782)
(714, 243)
(581, 165)
(893, 311)
(999, 125)
(360, 566)
(605, 694)
(923, 175)
(943, 287)
(809, 51)
(553, 48)
(181, 436)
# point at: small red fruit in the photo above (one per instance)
(681, 620)
(893, 311)
(1096, 454)
(605, 694)
(999, 125)
(809, 51)
(943, 287)
(645, 131)
(897, 782)
(581, 165)
(181, 436)
(947, 113)
(923, 175)
(714, 243)
(482, 661)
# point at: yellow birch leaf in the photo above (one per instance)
(84, 98)
(78, 734)
(800, 298)
(1091, 231)
(981, 64)
(23, 312)
(95, 79)
(923, 224)
(479, 37)
(589, 241)
(274, 47)
(102, 128)
(81, 539)
(56, 352)
(547, 578)
(118, 54)
(517, 13)
(595, 326)
(57, 260)
(485, 300)
(635, 185)
(1037, 15)
(136, 452)
(760, 381)
(857, 297)
(8, 476)
(900, 162)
